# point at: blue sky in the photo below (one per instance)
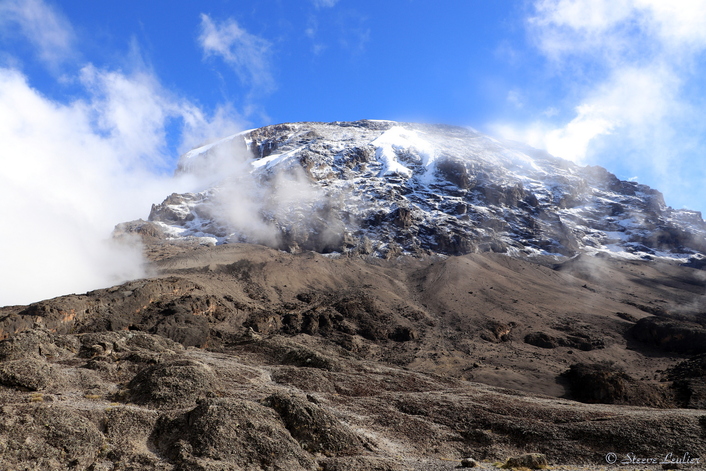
(98, 99)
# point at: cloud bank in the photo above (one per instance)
(631, 65)
(73, 169)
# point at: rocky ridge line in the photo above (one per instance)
(387, 188)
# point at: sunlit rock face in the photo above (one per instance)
(386, 188)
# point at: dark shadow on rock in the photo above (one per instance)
(689, 382)
(605, 383)
(670, 334)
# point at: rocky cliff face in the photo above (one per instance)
(387, 188)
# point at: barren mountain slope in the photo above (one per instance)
(385, 352)
(434, 314)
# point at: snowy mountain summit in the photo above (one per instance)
(386, 188)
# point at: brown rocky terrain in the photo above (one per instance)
(242, 357)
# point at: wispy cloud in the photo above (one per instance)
(311, 32)
(324, 3)
(72, 169)
(249, 55)
(41, 25)
(628, 65)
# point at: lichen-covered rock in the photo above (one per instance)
(47, 437)
(173, 384)
(106, 343)
(31, 374)
(317, 430)
(230, 434)
(128, 431)
(37, 343)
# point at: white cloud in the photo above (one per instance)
(614, 31)
(40, 24)
(247, 54)
(324, 3)
(628, 67)
(571, 142)
(71, 171)
(200, 129)
(638, 104)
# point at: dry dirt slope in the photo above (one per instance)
(242, 357)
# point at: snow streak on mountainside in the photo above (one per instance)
(387, 188)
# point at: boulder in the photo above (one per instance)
(47, 437)
(529, 460)
(37, 343)
(31, 374)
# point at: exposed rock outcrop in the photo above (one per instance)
(671, 335)
(607, 384)
(389, 188)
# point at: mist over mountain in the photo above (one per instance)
(386, 188)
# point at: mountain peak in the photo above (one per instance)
(387, 188)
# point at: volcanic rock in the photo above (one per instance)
(607, 384)
(233, 433)
(389, 188)
(689, 382)
(173, 384)
(314, 428)
(529, 460)
(671, 334)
